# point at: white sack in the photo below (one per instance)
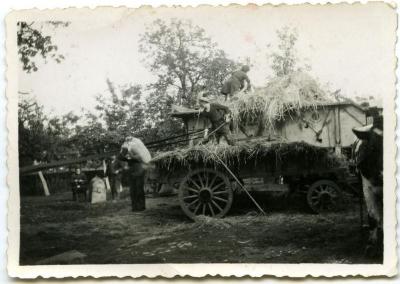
(98, 190)
(136, 150)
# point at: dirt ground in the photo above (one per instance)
(111, 233)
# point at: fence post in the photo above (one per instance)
(43, 181)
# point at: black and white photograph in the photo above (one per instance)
(237, 135)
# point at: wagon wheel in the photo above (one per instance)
(324, 196)
(205, 192)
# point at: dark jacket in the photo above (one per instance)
(217, 113)
(136, 167)
(235, 83)
(241, 77)
(79, 181)
(115, 168)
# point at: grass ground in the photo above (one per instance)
(111, 233)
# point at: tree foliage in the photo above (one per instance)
(32, 42)
(118, 113)
(122, 110)
(42, 137)
(184, 59)
(286, 60)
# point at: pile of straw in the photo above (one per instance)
(249, 152)
(282, 97)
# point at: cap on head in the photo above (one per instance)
(245, 68)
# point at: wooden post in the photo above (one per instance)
(106, 180)
(338, 147)
(43, 181)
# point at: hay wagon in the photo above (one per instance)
(206, 187)
(303, 153)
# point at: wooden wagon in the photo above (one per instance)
(207, 187)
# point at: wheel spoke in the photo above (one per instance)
(206, 178)
(213, 180)
(316, 202)
(332, 192)
(192, 203)
(192, 180)
(201, 181)
(211, 209)
(197, 208)
(220, 192)
(190, 196)
(204, 209)
(220, 199)
(217, 186)
(192, 189)
(216, 205)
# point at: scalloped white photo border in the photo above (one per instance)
(388, 268)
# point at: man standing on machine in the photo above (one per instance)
(217, 114)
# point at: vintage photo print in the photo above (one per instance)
(212, 140)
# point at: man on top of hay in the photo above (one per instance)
(217, 114)
(236, 82)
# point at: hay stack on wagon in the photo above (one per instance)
(282, 97)
(248, 153)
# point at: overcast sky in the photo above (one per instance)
(351, 47)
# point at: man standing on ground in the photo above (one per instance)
(237, 82)
(138, 156)
(115, 172)
(78, 184)
(217, 114)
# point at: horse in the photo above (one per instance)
(369, 162)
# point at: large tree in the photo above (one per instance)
(285, 59)
(184, 59)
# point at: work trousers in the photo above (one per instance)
(115, 186)
(76, 192)
(231, 87)
(136, 190)
(225, 132)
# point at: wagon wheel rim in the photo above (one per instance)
(205, 192)
(324, 196)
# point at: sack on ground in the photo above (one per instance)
(98, 190)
